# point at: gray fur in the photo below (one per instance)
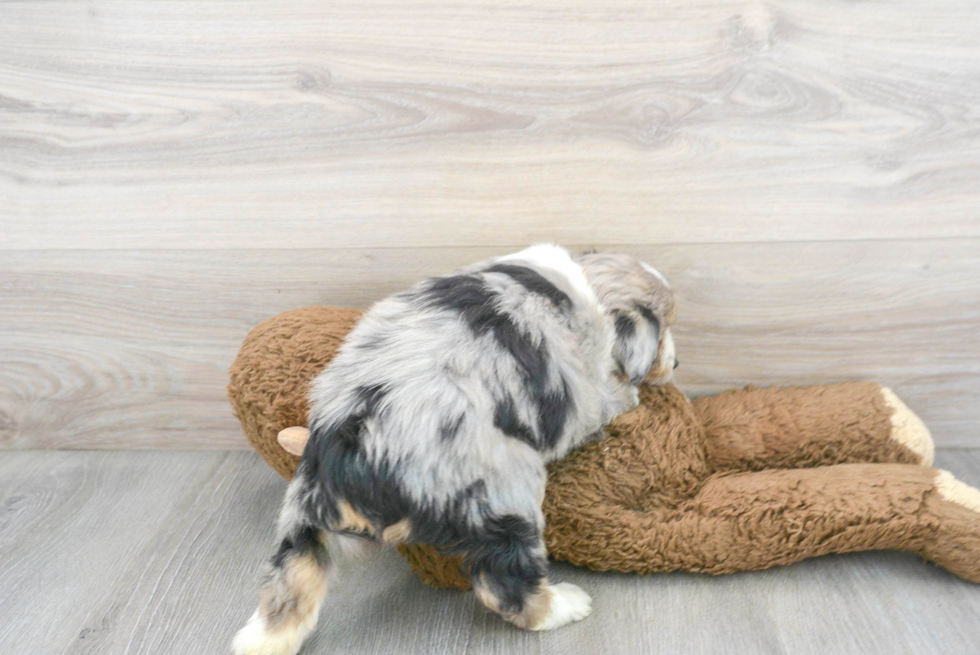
(437, 372)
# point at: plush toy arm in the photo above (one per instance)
(793, 427)
(756, 520)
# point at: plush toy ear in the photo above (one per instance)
(637, 342)
(293, 440)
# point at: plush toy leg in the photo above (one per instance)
(797, 427)
(756, 520)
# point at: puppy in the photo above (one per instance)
(436, 418)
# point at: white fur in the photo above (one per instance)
(256, 639)
(548, 255)
(568, 604)
(654, 272)
(350, 548)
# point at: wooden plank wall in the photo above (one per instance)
(171, 173)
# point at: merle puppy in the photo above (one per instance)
(435, 421)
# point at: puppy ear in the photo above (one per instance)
(637, 342)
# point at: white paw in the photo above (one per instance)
(255, 639)
(568, 603)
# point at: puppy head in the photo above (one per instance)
(641, 304)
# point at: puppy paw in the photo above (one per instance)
(568, 604)
(256, 639)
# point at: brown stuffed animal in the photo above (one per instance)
(743, 480)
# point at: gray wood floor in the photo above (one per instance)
(158, 552)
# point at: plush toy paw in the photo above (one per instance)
(956, 544)
(908, 429)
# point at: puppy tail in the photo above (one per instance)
(293, 587)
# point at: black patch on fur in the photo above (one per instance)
(532, 360)
(344, 472)
(348, 432)
(534, 282)
(552, 412)
(651, 318)
(476, 303)
(469, 296)
(305, 540)
(505, 561)
(370, 397)
(506, 420)
(625, 327)
(341, 469)
(285, 547)
(463, 500)
(646, 313)
(448, 431)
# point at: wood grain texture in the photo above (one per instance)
(130, 553)
(69, 525)
(300, 124)
(115, 349)
(172, 173)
